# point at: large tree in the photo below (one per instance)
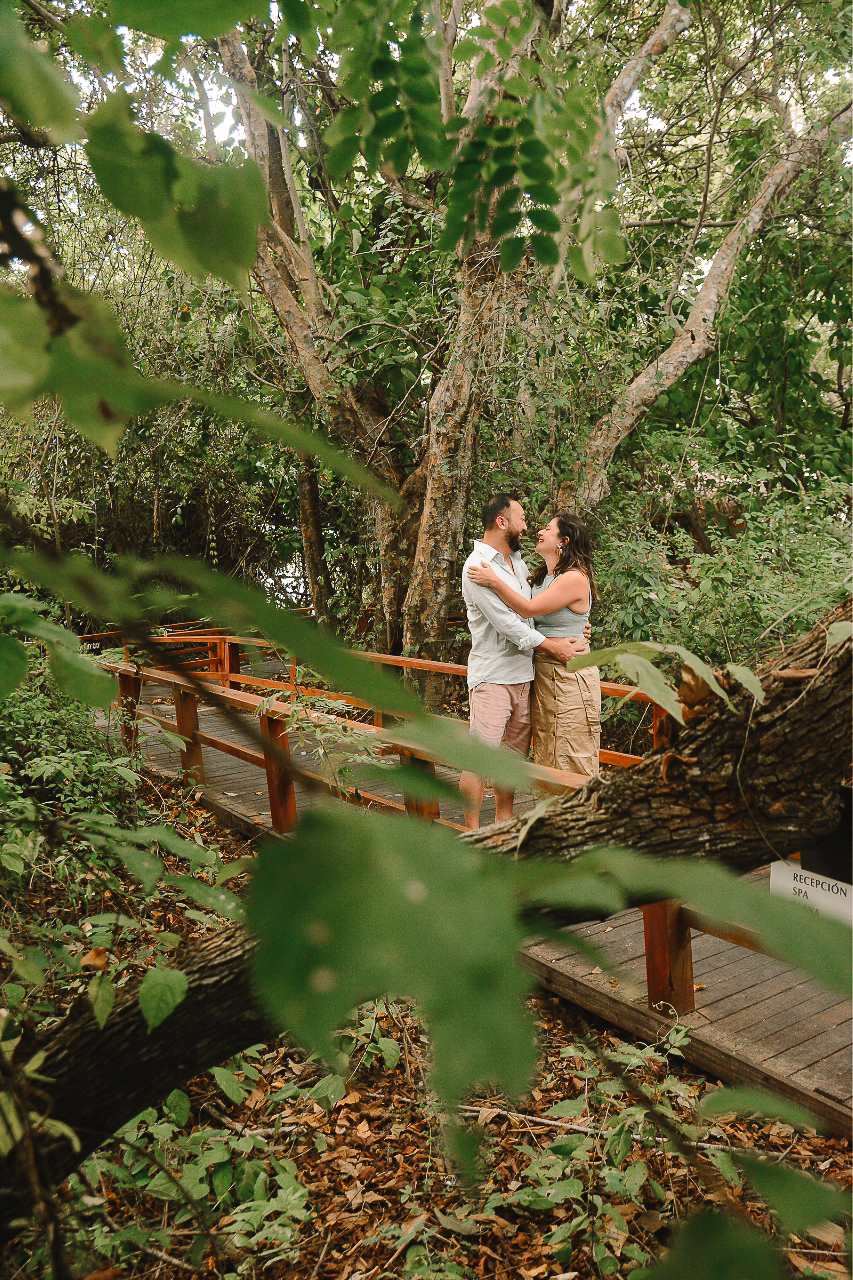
(710, 115)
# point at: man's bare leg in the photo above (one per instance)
(503, 805)
(472, 789)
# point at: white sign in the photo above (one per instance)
(821, 893)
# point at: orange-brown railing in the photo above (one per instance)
(213, 656)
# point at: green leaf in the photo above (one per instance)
(837, 632)
(239, 867)
(453, 744)
(798, 1200)
(568, 1110)
(96, 40)
(577, 263)
(92, 373)
(76, 674)
(203, 218)
(223, 902)
(269, 109)
(545, 249)
(160, 992)
(147, 867)
(417, 888)
(712, 1246)
(32, 89)
(233, 409)
(179, 1105)
(24, 360)
(465, 50)
(409, 780)
(329, 1091)
(816, 944)
(746, 1100)
(13, 665)
(228, 1083)
(170, 21)
(102, 997)
(611, 248)
(748, 679)
(512, 251)
(647, 677)
(698, 666)
(545, 220)
(390, 1052)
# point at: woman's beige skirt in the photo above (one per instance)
(566, 710)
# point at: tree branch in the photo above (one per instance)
(697, 338)
(674, 22)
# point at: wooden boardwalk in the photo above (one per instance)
(757, 1020)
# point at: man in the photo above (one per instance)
(500, 665)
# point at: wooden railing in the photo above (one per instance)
(667, 925)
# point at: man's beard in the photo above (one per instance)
(513, 541)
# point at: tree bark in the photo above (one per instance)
(103, 1077)
(316, 568)
(696, 339)
(449, 463)
(675, 21)
(738, 788)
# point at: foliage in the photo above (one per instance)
(785, 554)
(526, 176)
(54, 764)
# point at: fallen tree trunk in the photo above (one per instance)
(738, 788)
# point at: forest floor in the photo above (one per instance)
(268, 1166)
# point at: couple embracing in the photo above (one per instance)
(524, 629)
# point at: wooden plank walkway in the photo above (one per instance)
(757, 1021)
(245, 785)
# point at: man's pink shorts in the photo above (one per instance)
(500, 715)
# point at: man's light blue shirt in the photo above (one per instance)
(502, 643)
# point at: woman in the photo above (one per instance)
(566, 706)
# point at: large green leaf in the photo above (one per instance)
(652, 682)
(209, 896)
(245, 610)
(746, 1100)
(698, 665)
(816, 944)
(160, 992)
(13, 665)
(715, 1247)
(748, 679)
(92, 373)
(77, 675)
(32, 89)
(170, 21)
(429, 917)
(203, 218)
(798, 1200)
(24, 360)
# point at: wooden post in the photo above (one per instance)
(669, 956)
(231, 661)
(427, 810)
(186, 716)
(282, 792)
(130, 688)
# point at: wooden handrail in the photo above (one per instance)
(667, 924)
(609, 688)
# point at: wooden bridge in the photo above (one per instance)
(752, 1018)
